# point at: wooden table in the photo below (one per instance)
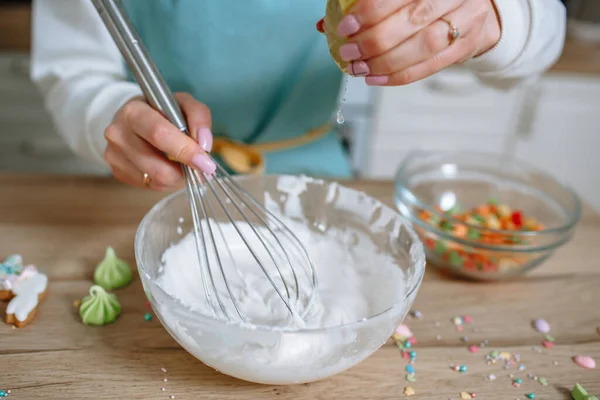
(64, 224)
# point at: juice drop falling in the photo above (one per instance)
(340, 115)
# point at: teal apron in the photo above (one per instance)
(261, 67)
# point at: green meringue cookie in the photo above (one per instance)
(100, 307)
(112, 272)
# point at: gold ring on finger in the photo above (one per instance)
(146, 180)
(454, 32)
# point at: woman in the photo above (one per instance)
(257, 71)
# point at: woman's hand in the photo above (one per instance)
(396, 42)
(140, 138)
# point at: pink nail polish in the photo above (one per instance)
(359, 68)
(204, 164)
(349, 25)
(350, 52)
(377, 80)
(205, 139)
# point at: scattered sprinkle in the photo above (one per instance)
(407, 345)
(416, 314)
(163, 369)
(467, 319)
(549, 338)
(459, 328)
(3, 393)
(543, 381)
(579, 393)
(465, 396)
(412, 340)
(464, 339)
(541, 325)
(462, 368)
(413, 354)
(172, 396)
(530, 396)
(585, 362)
(148, 317)
(163, 389)
(411, 378)
(492, 377)
(409, 391)
(457, 321)
(402, 332)
(410, 369)
(473, 349)
(547, 344)
(521, 367)
(147, 304)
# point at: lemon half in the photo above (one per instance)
(334, 12)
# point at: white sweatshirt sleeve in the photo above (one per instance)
(533, 36)
(79, 71)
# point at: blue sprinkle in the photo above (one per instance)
(407, 345)
(410, 369)
(463, 368)
(413, 354)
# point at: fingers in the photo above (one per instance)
(423, 46)
(143, 158)
(198, 118)
(436, 56)
(395, 28)
(125, 171)
(151, 126)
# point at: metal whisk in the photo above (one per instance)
(267, 241)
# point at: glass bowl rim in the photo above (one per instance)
(420, 264)
(573, 215)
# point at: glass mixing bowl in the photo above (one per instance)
(247, 352)
(429, 185)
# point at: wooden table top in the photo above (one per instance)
(63, 224)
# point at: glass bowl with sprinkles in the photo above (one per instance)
(484, 216)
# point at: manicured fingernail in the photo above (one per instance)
(321, 25)
(349, 25)
(205, 139)
(350, 52)
(359, 68)
(204, 164)
(377, 80)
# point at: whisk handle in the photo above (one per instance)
(139, 61)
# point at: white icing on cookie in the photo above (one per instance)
(27, 292)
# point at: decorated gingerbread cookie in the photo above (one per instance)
(24, 287)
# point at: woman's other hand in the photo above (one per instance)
(397, 42)
(144, 148)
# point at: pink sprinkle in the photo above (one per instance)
(402, 331)
(467, 319)
(473, 349)
(405, 354)
(412, 340)
(515, 384)
(547, 344)
(585, 362)
(163, 369)
(147, 304)
(459, 328)
(473, 395)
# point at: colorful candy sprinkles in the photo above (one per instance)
(486, 224)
